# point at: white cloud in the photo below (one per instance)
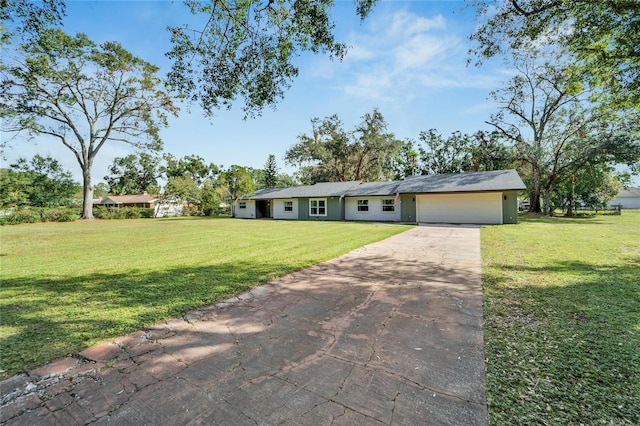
(405, 24)
(420, 50)
(397, 56)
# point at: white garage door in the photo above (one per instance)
(460, 208)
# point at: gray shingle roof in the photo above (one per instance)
(630, 192)
(498, 180)
(374, 188)
(321, 189)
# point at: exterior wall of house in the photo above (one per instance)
(303, 208)
(374, 210)
(249, 212)
(626, 202)
(168, 209)
(334, 209)
(279, 211)
(479, 207)
(510, 207)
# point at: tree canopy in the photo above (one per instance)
(270, 172)
(39, 182)
(134, 174)
(555, 131)
(83, 96)
(332, 154)
(246, 49)
(600, 38)
(238, 182)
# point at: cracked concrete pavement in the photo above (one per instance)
(390, 334)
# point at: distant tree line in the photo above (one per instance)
(209, 188)
(565, 148)
(569, 155)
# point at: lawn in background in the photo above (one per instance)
(562, 320)
(67, 286)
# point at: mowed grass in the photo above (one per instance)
(562, 320)
(67, 286)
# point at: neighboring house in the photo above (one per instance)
(148, 201)
(478, 197)
(627, 199)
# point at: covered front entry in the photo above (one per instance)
(480, 207)
(263, 209)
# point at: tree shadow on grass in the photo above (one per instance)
(564, 220)
(564, 351)
(348, 331)
(49, 318)
(43, 314)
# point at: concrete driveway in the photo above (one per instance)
(388, 334)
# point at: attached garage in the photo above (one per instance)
(482, 207)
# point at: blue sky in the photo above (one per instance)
(408, 59)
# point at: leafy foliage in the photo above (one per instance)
(27, 19)
(406, 162)
(599, 38)
(190, 179)
(490, 152)
(104, 212)
(460, 153)
(246, 49)
(84, 96)
(331, 154)
(134, 174)
(237, 182)
(271, 172)
(190, 166)
(40, 182)
(594, 186)
(39, 214)
(441, 156)
(555, 131)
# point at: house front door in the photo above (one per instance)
(263, 209)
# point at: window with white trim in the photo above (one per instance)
(363, 205)
(242, 204)
(288, 206)
(318, 207)
(387, 205)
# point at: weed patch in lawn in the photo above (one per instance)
(562, 320)
(68, 286)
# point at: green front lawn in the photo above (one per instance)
(562, 320)
(67, 286)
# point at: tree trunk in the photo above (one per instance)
(547, 196)
(534, 193)
(87, 193)
(569, 209)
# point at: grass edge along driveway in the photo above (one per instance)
(562, 320)
(68, 286)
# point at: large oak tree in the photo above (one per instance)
(555, 131)
(83, 96)
(332, 154)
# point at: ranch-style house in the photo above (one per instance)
(476, 197)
